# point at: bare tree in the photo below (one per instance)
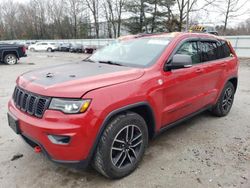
(137, 23)
(93, 6)
(185, 7)
(1, 23)
(75, 8)
(171, 20)
(231, 9)
(154, 14)
(38, 12)
(119, 5)
(9, 12)
(40, 19)
(113, 10)
(109, 19)
(56, 14)
(159, 10)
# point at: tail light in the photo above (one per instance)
(24, 49)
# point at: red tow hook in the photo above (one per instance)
(37, 149)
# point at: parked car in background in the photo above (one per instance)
(11, 53)
(76, 47)
(28, 43)
(89, 49)
(23, 42)
(43, 46)
(64, 47)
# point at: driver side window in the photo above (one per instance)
(190, 48)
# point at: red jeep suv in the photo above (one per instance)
(104, 109)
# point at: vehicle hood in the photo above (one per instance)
(73, 80)
(11, 45)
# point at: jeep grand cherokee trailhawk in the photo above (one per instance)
(104, 109)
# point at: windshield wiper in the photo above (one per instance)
(110, 63)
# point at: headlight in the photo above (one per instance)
(70, 106)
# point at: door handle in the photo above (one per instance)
(199, 70)
(223, 64)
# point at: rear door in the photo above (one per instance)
(214, 57)
(183, 89)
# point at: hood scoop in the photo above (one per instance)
(50, 75)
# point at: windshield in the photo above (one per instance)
(139, 52)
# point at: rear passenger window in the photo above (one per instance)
(224, 50)
(190, 48)
(209, 51)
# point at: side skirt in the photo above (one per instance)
(165, 128)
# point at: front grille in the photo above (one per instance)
(33, 104)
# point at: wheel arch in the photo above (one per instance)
(234, 81)
(5, 52)
(142, 108)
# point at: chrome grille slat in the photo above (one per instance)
(24, 102)
(33, 104)
(18, 98)
(30, 108)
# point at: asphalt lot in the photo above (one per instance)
(203, 152)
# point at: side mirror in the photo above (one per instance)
(179, 61)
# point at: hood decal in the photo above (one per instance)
(73, 80)
(68, 72)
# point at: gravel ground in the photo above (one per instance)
(203, 152)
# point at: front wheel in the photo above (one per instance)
(121, 146)
(225, 102)
(32, 49)
(49, 50)
(10, 59)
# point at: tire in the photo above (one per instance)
(49, 50)
(116, 158)
(10, 59)
(225, 102)
(32, 49)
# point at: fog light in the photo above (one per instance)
(61, 140)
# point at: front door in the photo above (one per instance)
(183, 88)
(44, 46)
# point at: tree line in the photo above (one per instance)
(66, 19)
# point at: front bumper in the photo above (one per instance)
(77, 164)
(35, 131)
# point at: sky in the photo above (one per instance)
(213, 16)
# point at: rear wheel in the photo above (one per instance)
(32, 49)
(225, 102)
(10, 59)
(121, 146)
